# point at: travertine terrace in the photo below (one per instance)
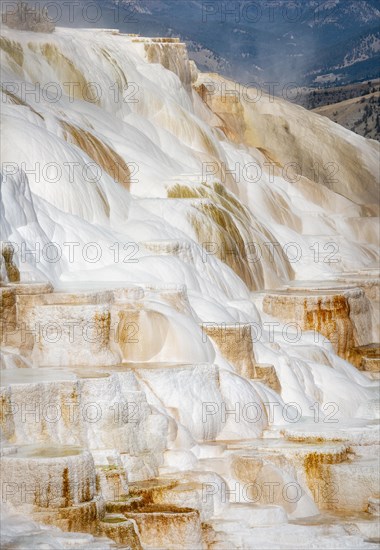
(182, 367)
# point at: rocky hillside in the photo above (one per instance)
(313, 98)
(360, 114)
(25, 16)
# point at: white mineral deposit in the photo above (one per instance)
(189, 335)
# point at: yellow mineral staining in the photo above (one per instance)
(159, 525)
(74, 394)
(12, 270)
(365, 357)
(68, 404)
(110, 468)
(217, 193)
(78, 518)
(110, 481)
(165, 509)
(120, 530)
(229, 111)
(8, 311)
(121, 79)
(13, 49)
(150, 491)
(86, 491)
(66, 487)
(172, 55)
(318, 477)
(161, 51)
(202, 91)
(102, 154)
(268, 376)
(17, 101)
(164, 54)
(7, 422)
(68, 72)
(217, 226)
(269, 156)
(332, 319)
(163, 526)
(309, 439)
(208, 144)
(102, 323)
(314, 460)
(156, 54)
(220, 220)
(97, 484)
(183, 192)
(235, 344)
(117, 519)
(328, 313)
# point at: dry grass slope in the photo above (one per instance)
(24, 17)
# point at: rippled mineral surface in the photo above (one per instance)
(190, 312)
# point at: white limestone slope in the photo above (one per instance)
(164, 132)
(184, 209)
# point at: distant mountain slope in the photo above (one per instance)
(313, 98)
(309, 42)
(350, 59)
(359, 114)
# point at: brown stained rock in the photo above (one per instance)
(8, 312)
(31, 289)
(119, 529)
(342, 315)
(104, 156)
(82, 517)
(150, 491)
(267, 375)
(56, 478)
(12, 328)
(112, 482)
(371, 364)
(172, 54)
(374, 505)
(7, 422)
(90, 342)
(12, 270)
(228, 110)
(246, 468)
(235, 344)
(366, 358)
(168, 526)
